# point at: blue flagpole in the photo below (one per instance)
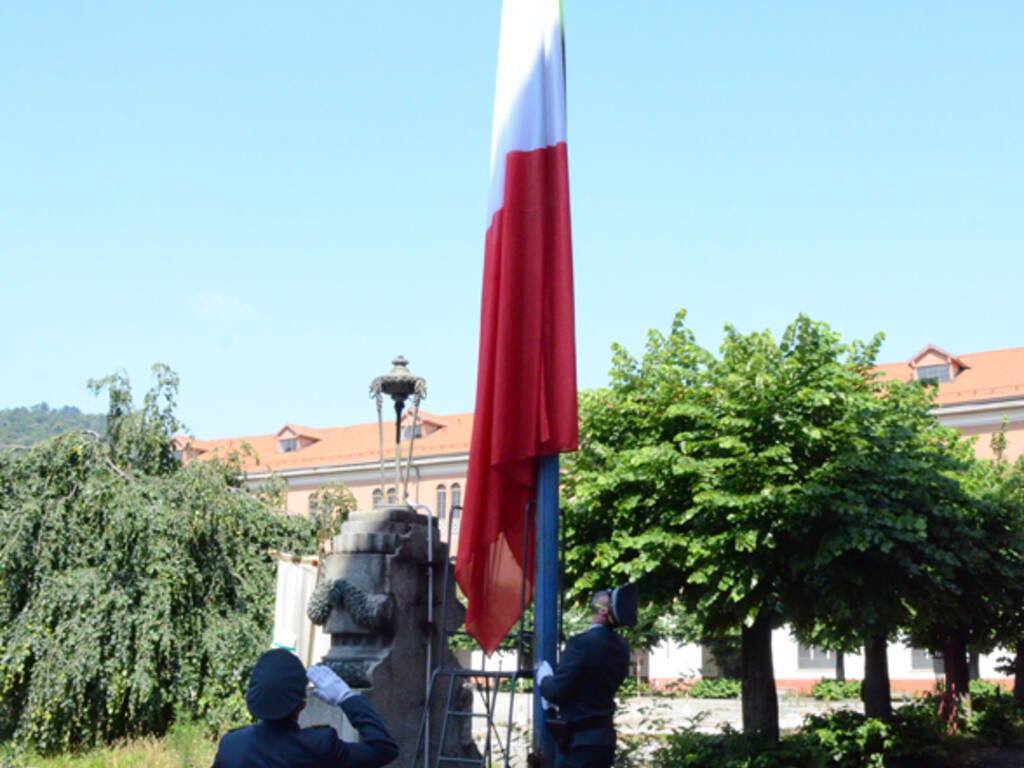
(545, 590)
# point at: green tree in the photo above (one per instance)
(130, 587)
(1008, 480)
(744, 486)
(980, 608)
(329, 507)
(884, 512)
(1003, 482)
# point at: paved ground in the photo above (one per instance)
(659, 713)
(711, 715)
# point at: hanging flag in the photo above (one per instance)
(526, 380)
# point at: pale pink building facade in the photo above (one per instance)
(307, 459)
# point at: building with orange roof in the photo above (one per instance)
(307, 459)
(976, 391)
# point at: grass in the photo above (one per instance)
(183, 747)
(145, 753)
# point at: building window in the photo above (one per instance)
(442, 504)
(922, 660)
(179, 455)
(392, 496)
(313, 506)
(936, 373)
(407, 431)
(810, 657)
(378, 497)
(288, 445)
(456, 506)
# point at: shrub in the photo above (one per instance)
(131, 588)
(524, 684)
(732, 749)
(834, 690)
(995, 717)
(838, 740)
(633, 686)
(849, 738)
(716, 688)
(920, 733)
(983, 688)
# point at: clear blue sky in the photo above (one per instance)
(275, 199)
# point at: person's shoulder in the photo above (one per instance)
(604, 636)
(598, 633)
(239, 732)
(580, 641)
(319, 737)
(236, 737)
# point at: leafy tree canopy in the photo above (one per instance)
(781, 481)
(130, 587)
(693, 470)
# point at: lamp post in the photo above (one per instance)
(399, 385)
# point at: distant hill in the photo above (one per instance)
(22, 427)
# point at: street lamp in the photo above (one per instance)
(399, 385)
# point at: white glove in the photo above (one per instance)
(327, 685)
(543, 670)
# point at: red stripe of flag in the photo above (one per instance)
(526, 386)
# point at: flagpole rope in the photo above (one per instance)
(380, 434)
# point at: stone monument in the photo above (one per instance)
(379, 595)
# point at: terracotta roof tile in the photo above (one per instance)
(182, 441)
(346, 445)
(994, 375)
(300, 431)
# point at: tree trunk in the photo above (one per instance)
(1018, 673)
(760, 702)
(840, 667)
(963, 668)
(964, 660)
(974, 666)
(954, 662)
(875, 689)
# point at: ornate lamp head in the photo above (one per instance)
(399, 385)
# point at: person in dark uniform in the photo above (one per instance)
(590, 671)
(276, 695)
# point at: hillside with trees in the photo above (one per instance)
(21, 428)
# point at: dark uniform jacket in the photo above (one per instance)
(590, 671)
(282, 744)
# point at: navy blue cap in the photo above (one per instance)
(277, 685)
(624, 605)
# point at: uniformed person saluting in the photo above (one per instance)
(276, 695)
(590, 671)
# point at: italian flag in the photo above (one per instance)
(526, 381)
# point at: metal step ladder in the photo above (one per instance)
(462, 687)
(467, 687)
